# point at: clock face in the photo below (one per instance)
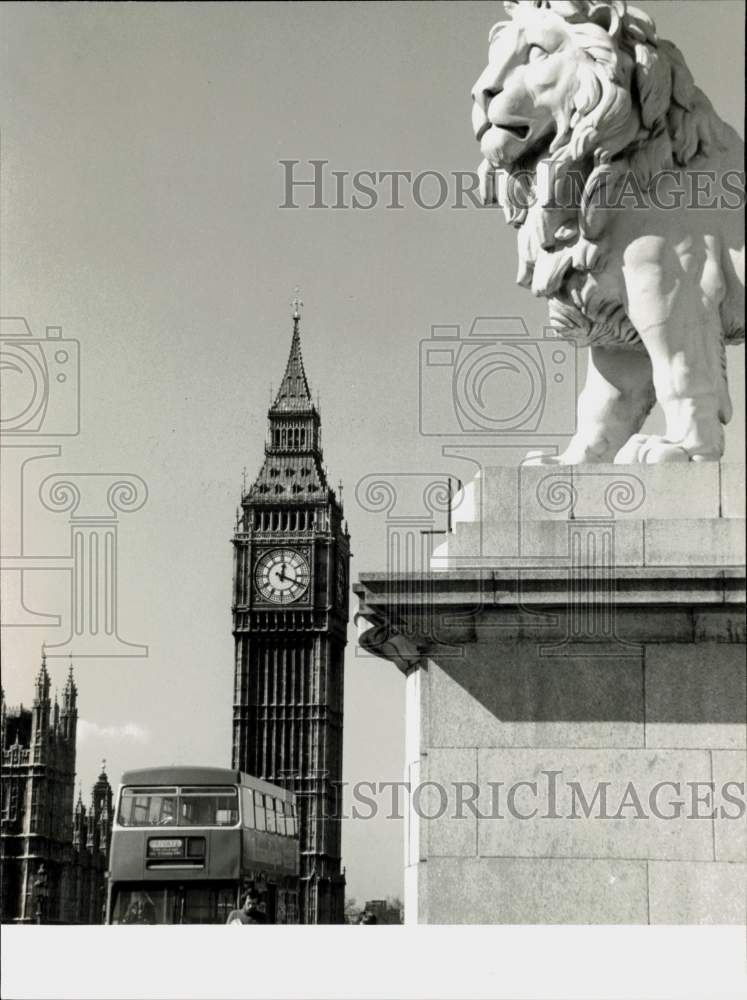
(282, 576)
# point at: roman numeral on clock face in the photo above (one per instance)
(282, 575)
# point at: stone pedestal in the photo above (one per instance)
(576, 691)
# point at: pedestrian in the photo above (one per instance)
(249, 912)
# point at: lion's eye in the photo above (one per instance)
(535, 52)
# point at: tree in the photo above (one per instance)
(352, 911)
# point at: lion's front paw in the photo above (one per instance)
(580, 451)
(543, 458)
(650, 449)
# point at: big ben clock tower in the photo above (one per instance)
(290, 614)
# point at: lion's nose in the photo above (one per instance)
(482, 96)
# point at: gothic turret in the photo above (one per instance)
(101, 810)
(80, 832)
(41, 710)
(42, 683)
(69, 713)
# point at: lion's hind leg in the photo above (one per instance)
(615, 401)
(674, 293)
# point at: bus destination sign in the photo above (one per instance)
(163, 847)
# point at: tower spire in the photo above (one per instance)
(297, 304)
(293, 450)
(42, 678)
(70, 691)
(294, 395)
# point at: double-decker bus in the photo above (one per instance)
(189, 842)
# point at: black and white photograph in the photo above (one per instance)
(372, 535)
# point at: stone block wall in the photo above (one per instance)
(582, 634)
(674, 714)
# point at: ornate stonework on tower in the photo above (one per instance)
(290, 613)
(53, 859)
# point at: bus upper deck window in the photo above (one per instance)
(209, 806)
(280, 817)
(247, 803)
(148, 807)
(270, 810)
(259, 811)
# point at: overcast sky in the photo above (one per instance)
(141, 185)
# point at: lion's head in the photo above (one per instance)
(576, 93)
(558, 77)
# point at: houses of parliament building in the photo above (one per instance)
(53, 853)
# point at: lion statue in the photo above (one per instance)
(596, 141)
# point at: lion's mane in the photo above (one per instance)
(635, 112)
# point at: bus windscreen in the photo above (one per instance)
(183, 807)
(173, 904)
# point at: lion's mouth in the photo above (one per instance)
(482, 129)
(520, 131)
